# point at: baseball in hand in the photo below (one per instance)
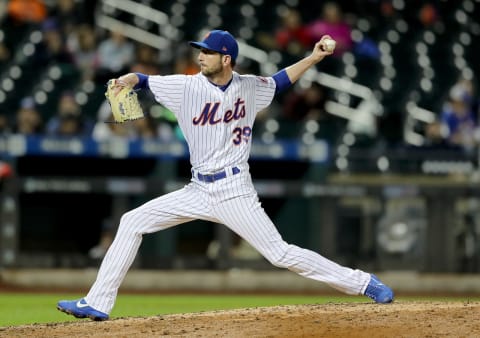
(329, 45)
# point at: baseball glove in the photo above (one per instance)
(125, 105)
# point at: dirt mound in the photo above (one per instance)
(400, 319)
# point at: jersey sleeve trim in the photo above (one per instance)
(142, 81)
(282, 81)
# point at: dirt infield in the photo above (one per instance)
(400, 319)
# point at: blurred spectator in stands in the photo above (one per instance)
(470, 96)
(68, 14)
(459, 119)
(69, 120)
(387, 11)
(6, 171)
(26, 11)
(185, 61)
(4, 125)
(428, 14)
(332, 22)
(291, 35)
(167, 125)
(3, 9)
(83, 46)
(52, 48)
(20, 15)
(146, 128)
(116, 54)
(436, 135)
(5, 54)
(28, 120)
(146, 60)
(308, 103)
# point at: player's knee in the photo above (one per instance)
(126, 221)
(126, 218)
(278, 263)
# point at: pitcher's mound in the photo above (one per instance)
(400, 319)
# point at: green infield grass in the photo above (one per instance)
(29, 308)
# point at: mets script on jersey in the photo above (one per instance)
(203, 111)
(209, 112)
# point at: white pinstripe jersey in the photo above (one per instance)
(216, 124)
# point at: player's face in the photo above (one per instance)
(210, 62)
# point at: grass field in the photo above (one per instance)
(29, 308)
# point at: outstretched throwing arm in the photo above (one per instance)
(320, 50)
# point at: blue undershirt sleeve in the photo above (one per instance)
(282, 80)
(143, 81)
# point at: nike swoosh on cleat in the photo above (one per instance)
(81, 305)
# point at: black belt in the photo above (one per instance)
(215, 177)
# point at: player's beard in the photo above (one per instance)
(213, 71)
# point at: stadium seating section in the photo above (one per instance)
(416, 62)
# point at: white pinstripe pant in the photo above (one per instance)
(231, 201)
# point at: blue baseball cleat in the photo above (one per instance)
(80, 309)
(378, 291)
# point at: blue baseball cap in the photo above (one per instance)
(219, 41)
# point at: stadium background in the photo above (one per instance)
(361, 179)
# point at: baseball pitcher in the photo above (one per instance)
(216, 109)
